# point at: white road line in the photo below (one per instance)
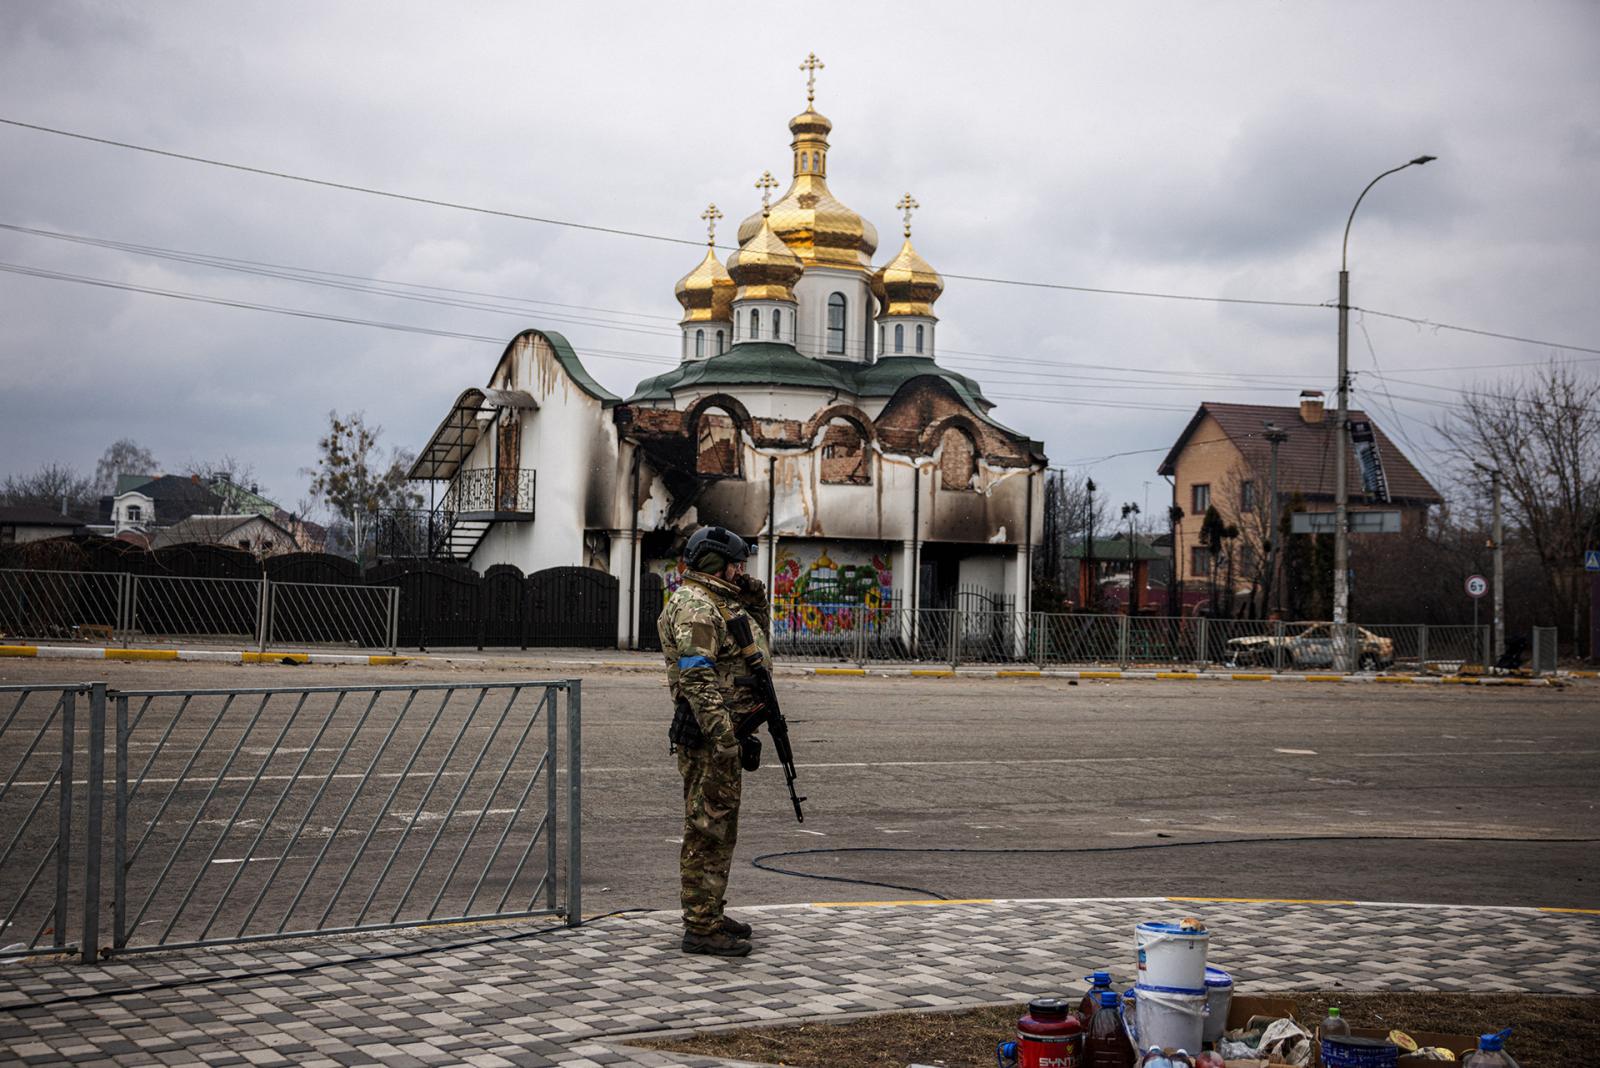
(1297, 752)
(242, 860)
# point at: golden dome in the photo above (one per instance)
(764, 268)
(706, 292)
(907, 284)
(808, 218)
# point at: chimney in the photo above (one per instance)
(1311, 406)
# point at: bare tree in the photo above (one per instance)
(1068, 522)
(1542, 431)
(122, 457)
(353, 479)
(56, 487)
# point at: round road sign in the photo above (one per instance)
(1477, 585)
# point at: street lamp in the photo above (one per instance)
(1276, 436)
(1497, 537)
(1341, 493)
(1130, 512)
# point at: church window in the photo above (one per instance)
(135, 513)
(844, 455)
(699, 343)
(958, 460)
(836, 320)
(899, 337)
(717, 444)
(755, 323)
(719, 342)
(816, 162)
(805, 162)
(880, 338)
(777, 325)
(919, 337)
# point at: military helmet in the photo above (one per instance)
(719, 540)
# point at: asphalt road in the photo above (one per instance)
(1124, 782)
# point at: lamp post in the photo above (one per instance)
(1130, 512)
(1276, 436)
(1341, 498)
(1495, 539)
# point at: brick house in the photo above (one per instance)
(1223, 460)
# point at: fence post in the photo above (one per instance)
(262, 593)
(125, 606)
(1280, 634)
(1041, 653)
(90, 946)
(394, 620)
(1422, 647)
(1123, 627)
(119, 833)
(574, 802)
(133, 608)
(1202, 652)
(955, 637)
(1486, 660)
(69, 744)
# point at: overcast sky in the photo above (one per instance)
(1209, 149)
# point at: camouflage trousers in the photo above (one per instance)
(711, 787)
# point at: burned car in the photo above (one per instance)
(1309, 647)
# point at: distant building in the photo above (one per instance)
(253, 533)
(141, 502)
(27, 522)
(1223, 460)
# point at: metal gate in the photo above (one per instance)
(574, 606)
(243, 815)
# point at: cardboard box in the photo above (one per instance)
(1244, 1006)
(1460, 1045)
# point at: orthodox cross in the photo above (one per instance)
(766, 183)
(711, 215)
(907, 205)
(811, 66)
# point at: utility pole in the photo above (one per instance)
(1086, 576)
(1341, 445)
(1496, 542)
(1276, 436)
(1130, 512)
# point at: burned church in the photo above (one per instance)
(808, 411)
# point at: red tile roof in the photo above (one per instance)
(1305, 460)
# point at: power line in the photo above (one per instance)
(1470, 330)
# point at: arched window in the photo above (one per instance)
(844, 455)
(805, 162)
(958, 460)
(719, 342)
(755, 323)
(716, 444)
(777, 325)
(685, 345)
(837, 309)
(919, 337)
(899, 337)
(816, 161)
(880, 337)
(700, 343)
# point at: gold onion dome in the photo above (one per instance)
(764, 268)
(706, 292)
(907, 284)
(808, 218)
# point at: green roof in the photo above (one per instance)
(574, 367)
(767, 363)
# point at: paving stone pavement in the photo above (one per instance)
(521, 994)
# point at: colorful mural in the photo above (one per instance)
(817, 589)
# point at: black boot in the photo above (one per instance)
(716, 944)
(735, 928)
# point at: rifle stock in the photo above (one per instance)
(760, 680)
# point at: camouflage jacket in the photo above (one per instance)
(702, 659)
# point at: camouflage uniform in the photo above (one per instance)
(702, 661)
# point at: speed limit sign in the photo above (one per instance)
(1477, 585)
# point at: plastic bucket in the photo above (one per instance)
(1171, 957)
(1171, 1019)
(1219, 996)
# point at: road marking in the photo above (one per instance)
(1297, 752)
(242, 860)
(883, 904)
(1268, 900)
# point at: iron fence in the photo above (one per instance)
(106, 606)
(244, 815)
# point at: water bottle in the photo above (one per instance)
(1490, 1053)
(1334, 1025)
(1181, 1059)
(1107, 1045)
(1098, 981)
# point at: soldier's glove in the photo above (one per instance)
(750, 753)
(753, 599)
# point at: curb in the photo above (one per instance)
(215, 656)
(1176, 676)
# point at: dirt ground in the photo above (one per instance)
(1549, 1031)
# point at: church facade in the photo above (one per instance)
(807, 412)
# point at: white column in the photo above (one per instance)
(625, 564)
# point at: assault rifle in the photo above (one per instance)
(759, 680)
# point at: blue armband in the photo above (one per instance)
(687, 662)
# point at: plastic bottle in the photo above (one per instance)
(1098, 982)
(1334, 1025)
(1049, 1034)
(1181, 1059)
(1490, 1053)
(1107, 1045)
(1155, 1057)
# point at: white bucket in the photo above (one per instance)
(1171, 957)
(1171, 1019)
(1219, 996)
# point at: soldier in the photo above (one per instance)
(702, 661)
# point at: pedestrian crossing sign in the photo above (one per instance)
(1591, 560)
